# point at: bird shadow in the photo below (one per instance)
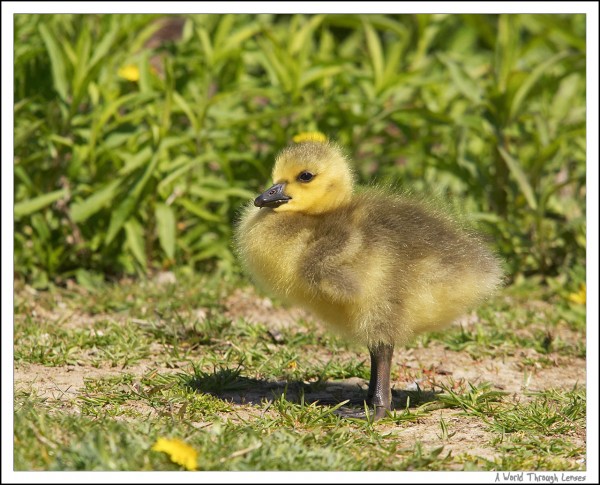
(231, 386)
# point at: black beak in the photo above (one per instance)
(272, 197)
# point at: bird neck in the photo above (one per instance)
(334, 200)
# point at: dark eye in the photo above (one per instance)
(305, 177)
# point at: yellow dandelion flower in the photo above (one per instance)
(178, 452)
(579, 297)
(292, 365)
(130, 72)
(310, 136)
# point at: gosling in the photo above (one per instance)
(377, 267)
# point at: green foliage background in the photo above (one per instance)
(118, 176)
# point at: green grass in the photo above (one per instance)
(247, 402)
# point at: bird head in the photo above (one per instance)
(310, 177)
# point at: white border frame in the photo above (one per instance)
(10, 8)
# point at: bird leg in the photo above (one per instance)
(379, 394)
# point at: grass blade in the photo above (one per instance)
(81, 211)
(57, 62)
(467, 86)
(303, 35)
(506, 50)
(135, 240)
(531, 80)
(165, 223)
(375, 54)
(197, 210)
(122, 213)
(517, 171)
(33, 205)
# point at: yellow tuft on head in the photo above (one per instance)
(310, 136)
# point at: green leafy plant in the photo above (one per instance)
(138, 137)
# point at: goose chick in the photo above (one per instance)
(377, 267)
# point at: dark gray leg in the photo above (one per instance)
(379, 394)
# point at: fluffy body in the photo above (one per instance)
(377, 267)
